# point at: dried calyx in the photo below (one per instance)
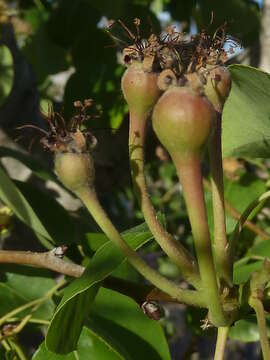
(63, 137)
(72, 147)
(197, 61)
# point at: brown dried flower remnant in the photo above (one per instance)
(68, 136)
(172, 50)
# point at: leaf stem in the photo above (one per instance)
(178, 254)
(89, 198)
(221, 343)
(189, 172)
(257, 305)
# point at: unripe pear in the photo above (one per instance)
(183, 120)
(75, 170)
(140, 88)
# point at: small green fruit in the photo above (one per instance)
(75, 170)
(183, 120)
(140, 88)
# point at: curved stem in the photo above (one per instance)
(89, 198)
(178, 254)
(189, 172)
(221, 245)
(257, 305)
(221, 343)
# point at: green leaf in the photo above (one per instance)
(6, 73)
(246, 120)
(121, 319)
(90, 346)
(75, 304)
(15, 200)
(14, 292)
(242, 192)
(261, 249)
(242, 272)
(30, 161)
(96, 240)
(246, 330)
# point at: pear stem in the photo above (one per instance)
(221, 245)
(221, 343)
(189, 172)
(190, 297)
(257, 305)
(178, 254)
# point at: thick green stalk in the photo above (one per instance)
(89, 198)
(257, 305)
(221, 343)
(179, 255)
(221, 245)
(189, 172)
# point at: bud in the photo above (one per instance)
(153, 310)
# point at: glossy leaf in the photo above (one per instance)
(246, 121)
(121, 319)
(75, 304)
(90, 346)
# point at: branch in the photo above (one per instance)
(50, 260)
